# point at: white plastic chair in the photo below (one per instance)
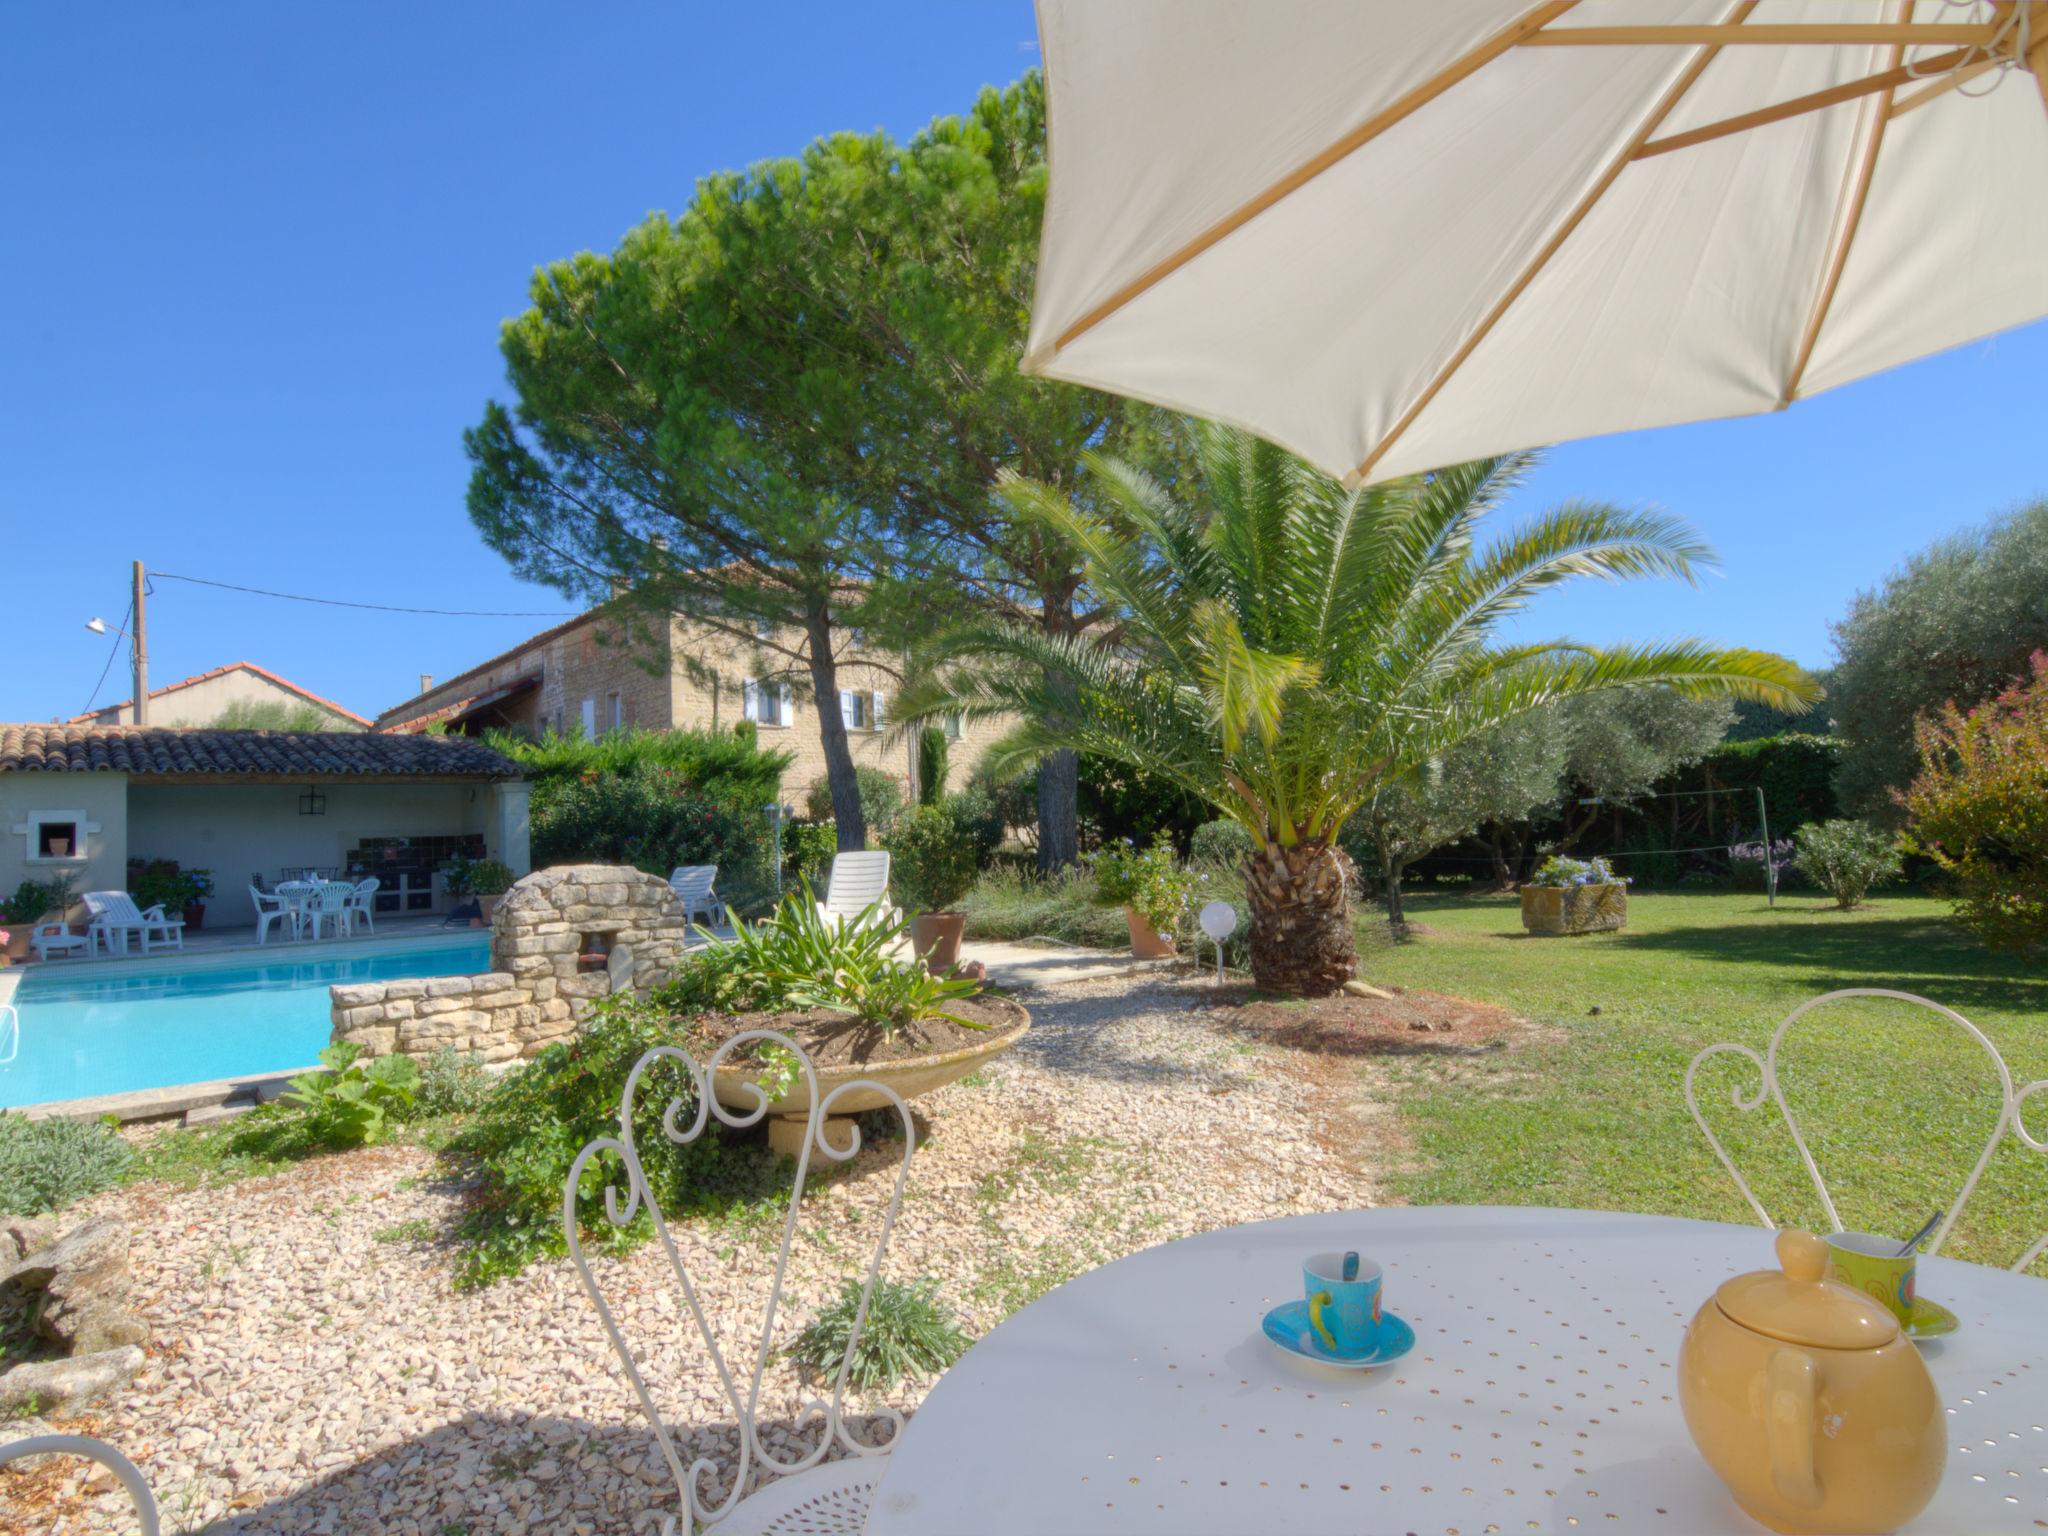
(807, 1493)
(1768, 1085)
(272, 909)
(129, 1475)
(692, 884)
(328, 905)
(115, 916)
(47, 939)
(363, 904)
(858, 881)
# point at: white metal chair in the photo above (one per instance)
(692, 884)
(362, 906)
(271, 910)
(115, 917)
(48, 939)
(2010, 1102)
(129, 1475)
(807, 1493)
(858, 881)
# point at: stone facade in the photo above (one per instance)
(613, 669)
(560, 939)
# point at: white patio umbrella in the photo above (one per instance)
(1393, 234)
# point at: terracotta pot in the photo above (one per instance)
(935, 939)
(1565, 909)
(195, 916)
(1147, 943)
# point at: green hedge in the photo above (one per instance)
(1796, 773)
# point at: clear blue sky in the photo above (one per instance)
(256, 257)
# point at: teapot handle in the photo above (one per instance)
(1788, 1426)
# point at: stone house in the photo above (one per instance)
(202, 700)
(616, 667)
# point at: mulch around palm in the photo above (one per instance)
(1410, 1023)
(835, 1039)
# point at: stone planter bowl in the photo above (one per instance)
(1566, 909)
(910, 1076)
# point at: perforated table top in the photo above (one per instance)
(1541, 1394)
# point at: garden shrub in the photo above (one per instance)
(881, 800)
(1021, 904)
(1796, 773)
(1750, 864)
(1224, 843)
(1014, 800)
(520, 1146)
(1119, 803)
(451, 1083)
(979, 816)
(352, 1102)
(807, 850)
(907, 1333)
(46, 1165)
(655, 820)
(727, 766)
(932, 859)
(1979, 809)
(1560, 870)
(1846, 858)
(932, 752)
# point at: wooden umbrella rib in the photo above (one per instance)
(1903, 104)
(1838, 258)
(1666, 105)
(1834, 96)
(1466, 64)
(1775, 34)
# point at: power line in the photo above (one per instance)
(114, 651)
(336, 602)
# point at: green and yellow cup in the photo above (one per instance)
(1865, 1262)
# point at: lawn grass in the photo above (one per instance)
(1588, 1109)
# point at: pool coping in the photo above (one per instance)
(165, 1103)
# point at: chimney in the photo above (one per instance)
(426, 682)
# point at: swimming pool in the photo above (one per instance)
(157, 1026)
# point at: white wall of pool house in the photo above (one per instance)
(239, 829)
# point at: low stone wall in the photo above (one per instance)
(545, 936)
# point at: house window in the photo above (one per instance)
(764, 629)
(767, 703)
(854, 710)
(55, 837)
(589, 718)
(955, 724)
(614, 711)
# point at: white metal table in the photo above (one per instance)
(1540, 1396)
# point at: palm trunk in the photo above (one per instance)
(1397, 919)
(1059, 776)
(1301, 938)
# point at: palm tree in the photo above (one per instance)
(1285, 647)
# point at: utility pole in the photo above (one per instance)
(140, 637)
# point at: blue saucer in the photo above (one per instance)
(1287, 1325)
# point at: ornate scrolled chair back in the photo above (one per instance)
(743, 1396)
(2010, 1113)
(128, 1474)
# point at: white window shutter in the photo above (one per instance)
(880, 699)
(590, 719)
(751, 707)
(782, 705)
(849, 709)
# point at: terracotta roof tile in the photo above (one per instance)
(150, 750)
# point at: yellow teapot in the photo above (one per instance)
(1808, 1402)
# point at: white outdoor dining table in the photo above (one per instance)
(1540, 1396)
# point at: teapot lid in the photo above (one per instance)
(1796, 1304)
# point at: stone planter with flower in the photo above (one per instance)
(1568, 896)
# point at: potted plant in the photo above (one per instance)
(31, 903)
(841, 992)
(488, 882)
(1152, 889)
(932, 864)
(1574, 896)
(163, 883)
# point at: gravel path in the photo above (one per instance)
(315, 1372)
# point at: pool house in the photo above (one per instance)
(96, 803)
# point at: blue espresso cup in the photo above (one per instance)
(1343, 1301)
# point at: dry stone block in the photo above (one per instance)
(450, 986)
(358, 994)
(412, 986)
(62, 1388)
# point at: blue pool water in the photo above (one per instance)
(155, 1028)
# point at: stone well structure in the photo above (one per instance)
(560, 939)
